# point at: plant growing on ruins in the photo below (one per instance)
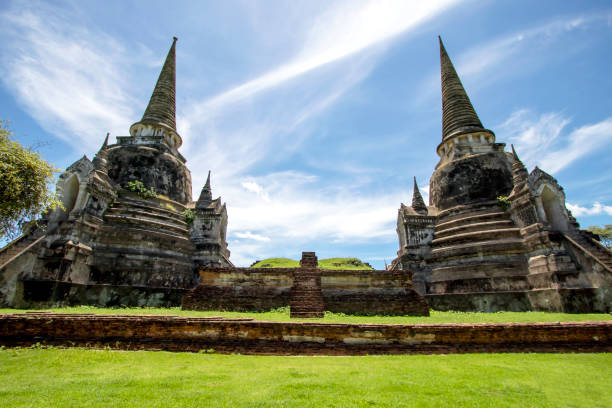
(504, 202)
(189, 215)
(25, 178)
(139, 188)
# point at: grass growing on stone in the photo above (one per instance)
(329, 264)
(104, 378)
(282, 315)
(343, 263)
(276, 263)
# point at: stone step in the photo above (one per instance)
(145, 205)
(476, 250)
(145, 224)
(471, 218)
(174, 219)
(472, 237)
(468, 285)
(479, 270)
(477, 226)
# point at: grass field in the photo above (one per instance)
(326, 264)
(104, 378)
(282, 315)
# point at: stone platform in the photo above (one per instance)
(245, 336)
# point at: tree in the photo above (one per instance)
(605, 234)
(25, 178)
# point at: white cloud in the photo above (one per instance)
(300, 211)
(338, 50)
(596, 209)
(542, 141)
(343, 30)
(509, 54)
(250, 235)
(75, 85)
(67, 76)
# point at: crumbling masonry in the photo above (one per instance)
(495, 237)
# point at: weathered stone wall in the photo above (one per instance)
(154, 167)
(470, 180)
(47, 293)
(344, 291)
(254, 337)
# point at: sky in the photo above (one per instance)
(314, 116)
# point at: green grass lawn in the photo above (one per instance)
(330, 263)
(282, 315)
(104, 378)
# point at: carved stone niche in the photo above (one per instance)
(550, 201)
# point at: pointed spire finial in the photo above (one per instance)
(100, 160)
(207, 184)
(162, 105)
(519, 172)
(206, 194)
(458, 114)
(105, 144)
(516, 158)
(418, 204)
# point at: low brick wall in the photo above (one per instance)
(344, 291)
(290, 338)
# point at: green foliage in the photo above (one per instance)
(343, 263)
(189, 215)
(25, 178)
(330, 264)
(100, 378)
(139, 188)
(504, 202)
(605, 234)
(276, 263)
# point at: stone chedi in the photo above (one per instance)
(495, 237)
(111, 245)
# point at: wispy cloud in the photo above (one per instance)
(66, 75)
(596, 209)
(338, 51)
(343, 30)
(541, 140)
(297, 209)
(510, 54)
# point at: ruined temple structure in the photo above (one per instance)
(111, 245)
(495, 237)
(307, 290)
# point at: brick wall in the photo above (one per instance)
(245, 336)
(344, 291)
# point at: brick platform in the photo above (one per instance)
(246, 336)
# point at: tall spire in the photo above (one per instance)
(162, 105)
(418, 204)
(458, 114)
(160, 116)
(206, 194)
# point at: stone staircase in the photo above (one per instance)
(306, 295)
(153, 243)
(145, 215)
(19, 246)
(475, 252)
(591, 247)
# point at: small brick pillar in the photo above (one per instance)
(306, 296)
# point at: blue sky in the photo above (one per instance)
(315, 115)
